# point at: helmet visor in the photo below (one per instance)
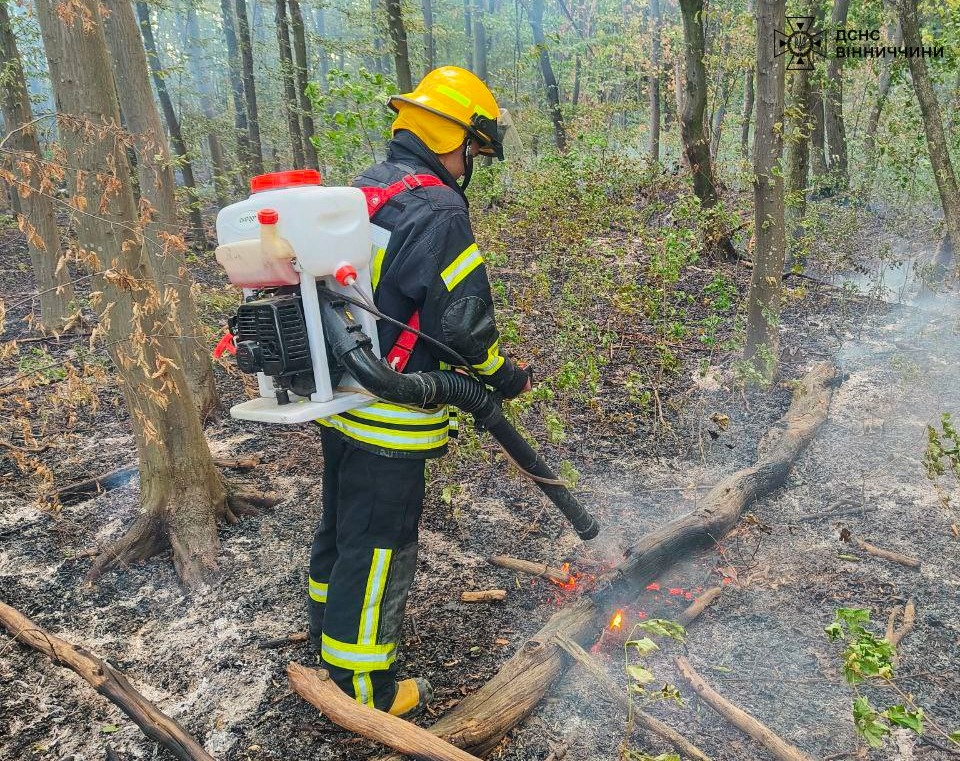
(489, 134)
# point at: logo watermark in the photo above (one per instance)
(802, 42)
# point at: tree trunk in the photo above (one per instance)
(479, 41)
(833, 108)
(747, 112)
(798, 154)
(398, 38)
(883, 89)
(693, 126)
(549, 78)
(468, 33)
(720, 102)
(933, 127)
(764, 297)
(181, 491)
(39, 221)
(818, 136)
(249, 86)
(323, 59)
(656, 20)
(244, 148)
(300, 68)
(163, 243)
(206, 94)
(479, 721)
(429, 44)
(173, 124)
(288, 76)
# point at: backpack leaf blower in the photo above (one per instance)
(300, 251)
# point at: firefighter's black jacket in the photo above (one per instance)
(430, 264)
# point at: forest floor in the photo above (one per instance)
(761, 644)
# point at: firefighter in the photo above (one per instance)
(428, 273)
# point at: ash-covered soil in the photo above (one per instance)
(761, 644)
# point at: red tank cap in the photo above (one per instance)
(267, 216)
(289, 179)
(346, 275)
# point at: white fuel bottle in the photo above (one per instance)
(293, 231)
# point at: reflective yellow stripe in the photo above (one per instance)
(357, 657)
(493, 362)
(376, 583)
(363, 687)
(460, 98)
(482, 112)
(388, 439)
(391, 413)
(318, 591)
(462, 266)
(377, 264)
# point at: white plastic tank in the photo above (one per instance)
(292, 230)
(326, 227)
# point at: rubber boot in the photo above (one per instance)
(411, 698)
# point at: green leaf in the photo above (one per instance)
(643, 646)
(659, 627)
(109, 729)
(954, 737)
(868, 724)
(903, 717)
(640, 674)
(834, 631)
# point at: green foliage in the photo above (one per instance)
(40, 364)
(943, 449)
(869, 658)
(351, 121)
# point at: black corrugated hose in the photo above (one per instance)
(352, 348)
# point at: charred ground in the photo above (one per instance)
(639, 457)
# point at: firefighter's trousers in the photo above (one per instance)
(362, 564)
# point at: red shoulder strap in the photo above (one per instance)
(377, 197)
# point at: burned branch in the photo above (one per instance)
(534, 569)
(108, 682)
(743, 721)
(484, 595)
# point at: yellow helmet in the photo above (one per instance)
(449, 104)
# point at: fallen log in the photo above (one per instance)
(108, 682)
(316, 687)
(894, 557)
(483, 595)
(678, 741)
(292, 638)
(699, 605)
(479, 721)
(743, 721)
(526, 566)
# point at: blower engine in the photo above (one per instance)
(309, 338)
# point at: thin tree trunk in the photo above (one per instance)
(398, 38)
(833, 108)
(429, 44)
(173, 124)
(818, 136)
(163, 243)
(380, 62)
(693, 126)
(764, 296)
(244, 148)
(883, 89)
(747, 112)
(468, 33)
(720, 102)
(181, 491)
(479, 41)
(653, 142)
(323, 58)
(249, 86)
(937, 145)
(206, 95)
(38, 220)
(798, 155)
(288, 76)
(300, 68)
(549, 78)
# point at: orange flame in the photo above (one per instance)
(572, 578)
(617, 621)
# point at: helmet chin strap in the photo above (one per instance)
(467, 164)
